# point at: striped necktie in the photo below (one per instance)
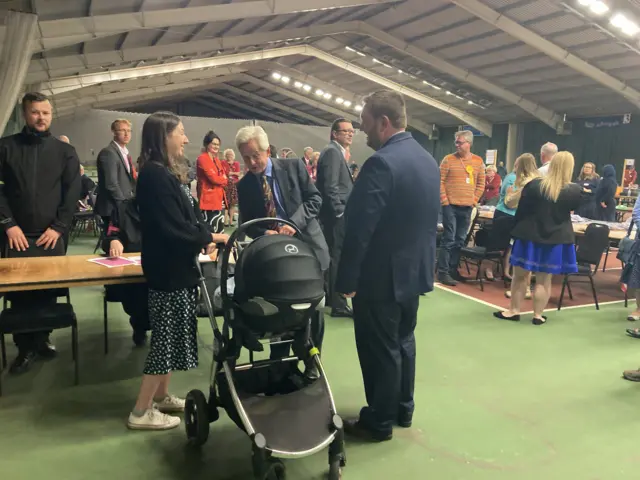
(269, 201)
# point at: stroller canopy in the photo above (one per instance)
(279, 269)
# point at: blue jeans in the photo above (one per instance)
(455, 223)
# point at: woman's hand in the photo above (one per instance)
(219, 237)
(603, 205)
(116, 249)
(210, 249)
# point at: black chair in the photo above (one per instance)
(50, 317)
(493, 248)
(110, 295)
(103, 231)
(589, 253)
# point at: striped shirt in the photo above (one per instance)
(456, 186)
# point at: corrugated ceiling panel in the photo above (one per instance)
(436, 21)
(518, 66)
(601, 50)
(576, 38)
(472, 29)
(512, 53)
(532, 10)
(499, 3)
(500, 39)
(556, 24)
(629, 61)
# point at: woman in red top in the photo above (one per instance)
(232, 169)
(491, 186)
(212, 181)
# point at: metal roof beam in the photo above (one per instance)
(249, 108)
(554, 51)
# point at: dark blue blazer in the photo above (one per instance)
(389, 250)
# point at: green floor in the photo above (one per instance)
(495, 400)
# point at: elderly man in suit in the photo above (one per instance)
(388, 260)
(334, 182)
(116, 172)
(280, 188)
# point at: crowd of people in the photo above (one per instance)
(359, 231)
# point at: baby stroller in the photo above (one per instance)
(286, 413)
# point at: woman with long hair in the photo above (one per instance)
(588, 180)
(605, 196)
(524, 170)
(212, 181)
(173, 234)
(544, 238)
(233, 172)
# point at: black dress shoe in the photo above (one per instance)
(447, 280)
(457, 277)
(356, 429)
(342, 312)
(139, 338)
(46, 351)
(405, 421)
(501, 316)
(22, 363)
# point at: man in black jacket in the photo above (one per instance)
(41, 177)
(334, 182)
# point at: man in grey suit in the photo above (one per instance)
(116, 172)
(280, 188)
(334, 181)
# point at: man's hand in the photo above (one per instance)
(348, 295)
(49, 239)
(17, 240)
(116, 249)
(210, 249)
(603, 205)
(287, 230)
(219, 237)
(270, 232)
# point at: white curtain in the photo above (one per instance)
(17, 49)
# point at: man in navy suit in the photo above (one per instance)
(388, 260)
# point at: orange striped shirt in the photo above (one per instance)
(454, 188)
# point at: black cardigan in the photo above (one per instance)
(540, 220)
(172, 229)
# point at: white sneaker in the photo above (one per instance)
(171, 404)
(152, 420)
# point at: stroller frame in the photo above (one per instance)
(199, 412)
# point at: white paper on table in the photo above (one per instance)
(204, 258)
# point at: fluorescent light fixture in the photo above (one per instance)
(361, 54)
(627, 26)
(436, 87)
(449, 93)
(285, 79)
(470, 102)
(339, 100)
(358, 108)
(306, 88)
(347, 103)
(276, 75)
(327, 96)
(599, 7)
(298, 84)
(400, 71)
(350, 49)
(319, 92)
(585, 3)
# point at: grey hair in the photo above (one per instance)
(227, 151)
(306, 149)
(467, 135)
(549, 148)
(251, 132)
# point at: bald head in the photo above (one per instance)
(64, 138)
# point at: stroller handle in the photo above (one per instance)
(224, 270)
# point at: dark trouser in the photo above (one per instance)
(387, 351)
(317, 336)
(134, 299)
(455, 224)
(334, 235)
(36, 298)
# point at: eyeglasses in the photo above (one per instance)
(352, 132)
(460, 142)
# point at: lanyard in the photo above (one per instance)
(469, 170)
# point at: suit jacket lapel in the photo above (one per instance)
(125, 161)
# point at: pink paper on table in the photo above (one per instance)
(112, 262)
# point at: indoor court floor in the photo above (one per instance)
(495, 400)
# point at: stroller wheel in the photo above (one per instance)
(196, 418)
(275, 470)
(335, 470)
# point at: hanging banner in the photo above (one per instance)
(608, 122)
(491, 157)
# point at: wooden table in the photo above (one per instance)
(578, 228)
(40, 273)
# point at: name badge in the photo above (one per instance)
(468, 180)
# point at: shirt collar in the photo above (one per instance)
(124, 150)
(342, 149)
(269, 169)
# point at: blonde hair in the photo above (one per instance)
(491, 168)
(560, 173)
(526, 169)
(116, 123)
(593, 175)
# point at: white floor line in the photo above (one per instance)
(469, 297)
(572, 307)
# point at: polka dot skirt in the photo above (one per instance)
(174, 343)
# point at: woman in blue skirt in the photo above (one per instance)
(544, 239)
